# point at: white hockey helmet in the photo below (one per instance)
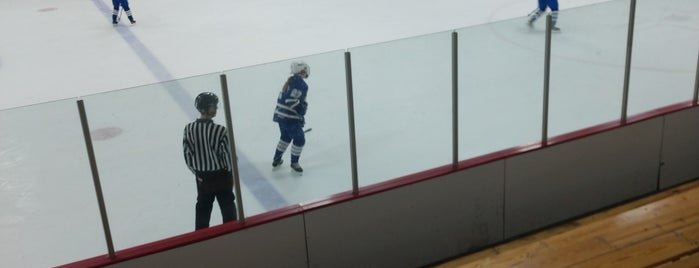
(298, 67)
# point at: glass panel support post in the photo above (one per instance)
(455, 99)
(231, 144)
(547, 78)
(627, 71)
(96, 179)
(696, 83)
(350, 114)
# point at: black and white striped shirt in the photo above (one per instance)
(206, 146)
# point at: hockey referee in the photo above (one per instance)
(207, 155)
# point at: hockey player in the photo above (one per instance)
(289, 114)
(543, 4)
(208, 156)
(124, 4)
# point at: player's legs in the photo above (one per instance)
(283, 144)
(553, 5)
(226, 202)
(226, 198)
(205, 203)
(127, 9)
(299, 140)
(115, 12)
(537, 13)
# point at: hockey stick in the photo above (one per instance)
(120, 10)
(533, 11)
(307, 130)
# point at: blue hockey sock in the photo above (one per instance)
(281, 148)
(296, 153)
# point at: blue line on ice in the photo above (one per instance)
(264, 192)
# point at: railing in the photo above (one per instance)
(378, 112)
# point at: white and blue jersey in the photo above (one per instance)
(289, 114)
(291, 103)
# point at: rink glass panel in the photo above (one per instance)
(665, 50)
(148, 190)
(587, 66)
(49, 208)
(326, 154)
(402, 99)
(501, 71)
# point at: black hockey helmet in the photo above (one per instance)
(205, 100)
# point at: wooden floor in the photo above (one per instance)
(661, 230)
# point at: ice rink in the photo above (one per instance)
(139, 81)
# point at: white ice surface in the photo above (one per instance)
(55, 50)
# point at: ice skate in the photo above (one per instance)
(530, 22)
(277, 162)
(555, 29)
(533, 16)
(130, 16)
(296, 167)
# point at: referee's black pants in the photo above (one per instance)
(210, 186)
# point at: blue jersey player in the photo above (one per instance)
(543, 4)
(289, 114)
(125, 5)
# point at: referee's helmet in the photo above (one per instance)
(205, 100)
